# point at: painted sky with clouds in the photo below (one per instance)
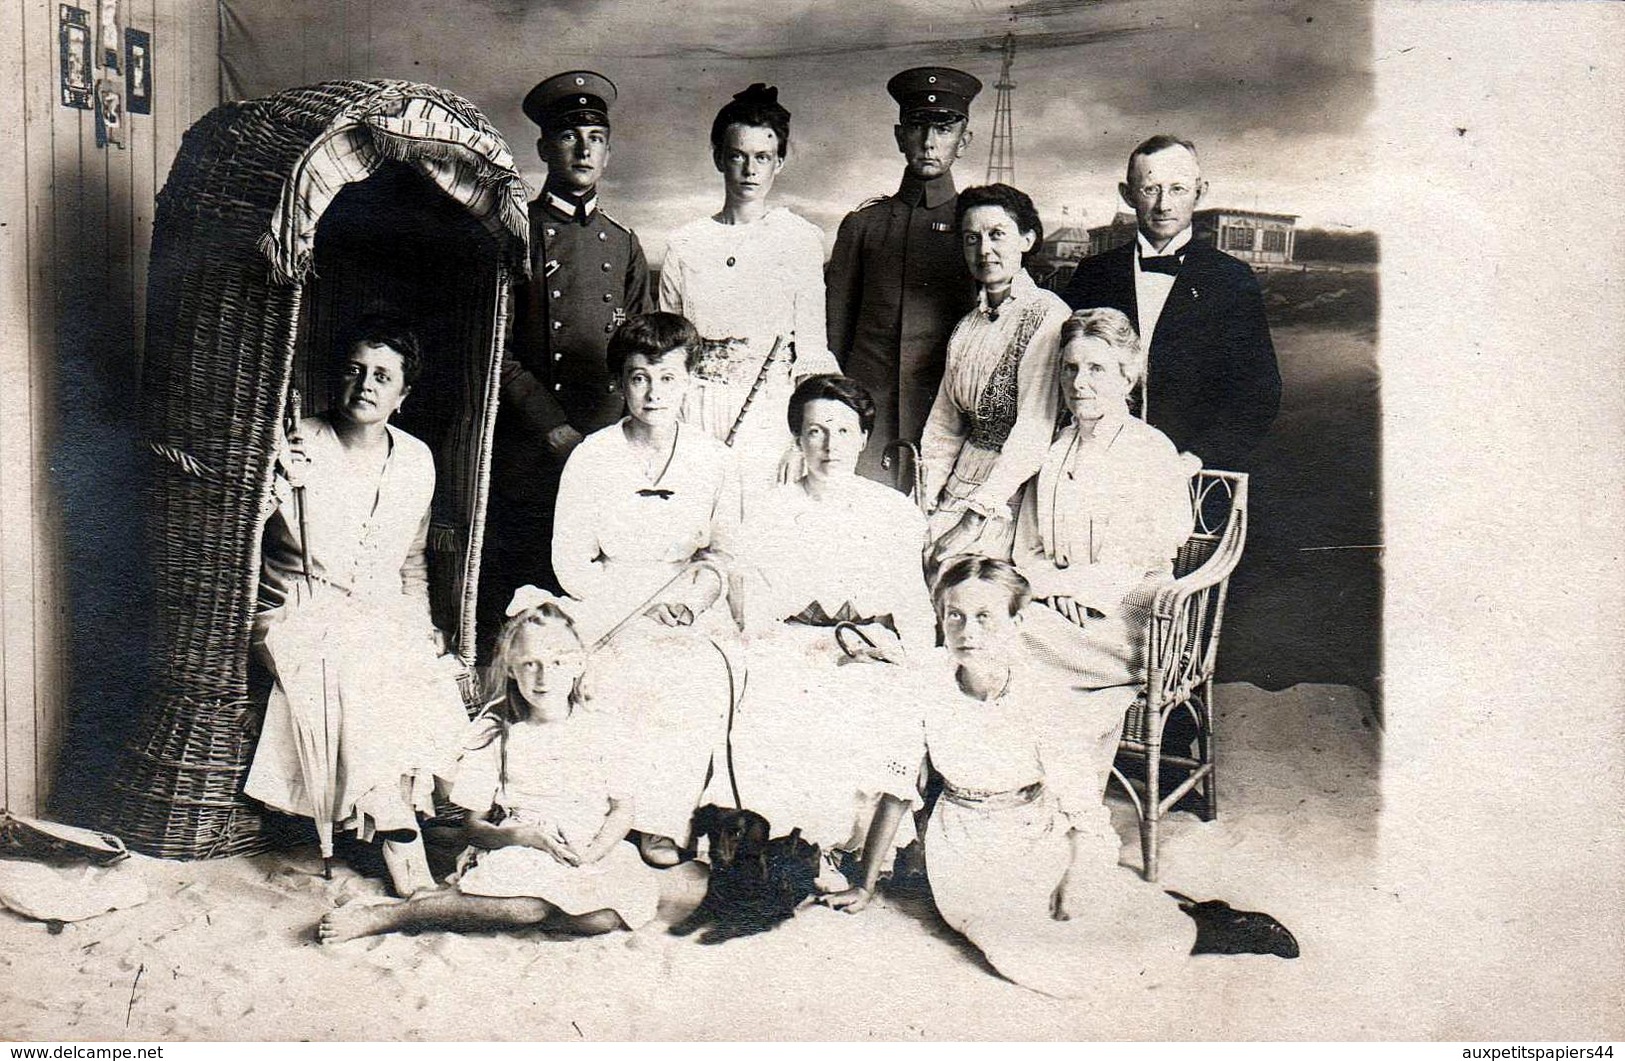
(1277, 95)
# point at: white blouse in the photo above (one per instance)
(978, 345)
(367, 537)
(620, 531)
(754, 282)
(861, 546)
(1108, 511)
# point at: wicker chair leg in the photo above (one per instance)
(1153, 798)
(1210, 784)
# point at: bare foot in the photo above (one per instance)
(354, 920)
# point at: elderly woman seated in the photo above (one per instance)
(837, 617)
(1101, 524)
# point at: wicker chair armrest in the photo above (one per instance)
(1172, 593)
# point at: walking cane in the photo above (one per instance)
(756, 386)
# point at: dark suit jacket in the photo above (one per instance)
(1212, 385)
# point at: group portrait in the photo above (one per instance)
(701, 521)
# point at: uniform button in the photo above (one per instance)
(606, 267)
(609, 327)
(557, 293)
(557, 325)
(932, 79)
(552, 232)
(612, 388)
(558, 356)
(558, 386)
(602, 236)
(608, 297)
(731, 261)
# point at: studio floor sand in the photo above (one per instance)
(225, 949)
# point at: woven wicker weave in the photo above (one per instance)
(1181, 654)
(227, 333)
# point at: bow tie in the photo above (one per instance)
(664, 495)
(1167, 264)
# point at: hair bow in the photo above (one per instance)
(527, 597)
(759, 91)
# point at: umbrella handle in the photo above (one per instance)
(296, 409)
(689, 568)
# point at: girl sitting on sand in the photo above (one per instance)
(547, 793)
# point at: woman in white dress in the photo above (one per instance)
(747, 276)
(1020, 849)
(638, 501)
(548, 786)
(1109, 510)
(826, 738)
(996, 408)
(349, 639)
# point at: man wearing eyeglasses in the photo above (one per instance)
(1212, 382)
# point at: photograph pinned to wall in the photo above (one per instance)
(138, 71)
(74, 33)
(108, 33)
(109, 113)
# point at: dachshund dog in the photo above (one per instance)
(756, 883)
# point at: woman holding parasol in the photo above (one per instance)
(364, 709)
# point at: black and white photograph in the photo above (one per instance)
(688, 520)
(75, 59)
(138, 71)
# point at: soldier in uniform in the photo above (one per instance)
(896, 283)
(588, 274)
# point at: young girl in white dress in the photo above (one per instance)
(750, 273)
(546, 784)
(1020, 849)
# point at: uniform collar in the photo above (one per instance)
(932, 193)
(568, 207)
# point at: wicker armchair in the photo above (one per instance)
(1182, 648)
(282, 219)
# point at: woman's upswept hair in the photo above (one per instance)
(758, 106)
(1013, 201)
(507, 706)
(652, 334)
(830, 386)
(1114, 329)
(382, 329)
(973, 568)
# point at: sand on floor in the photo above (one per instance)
(225, 949)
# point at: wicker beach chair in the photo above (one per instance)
(282, 220)
(1181, 653)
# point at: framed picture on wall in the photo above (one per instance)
(73, 30)
(110, 112)
(137, 71)
(109, 34)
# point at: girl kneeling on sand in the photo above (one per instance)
(547, 792)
